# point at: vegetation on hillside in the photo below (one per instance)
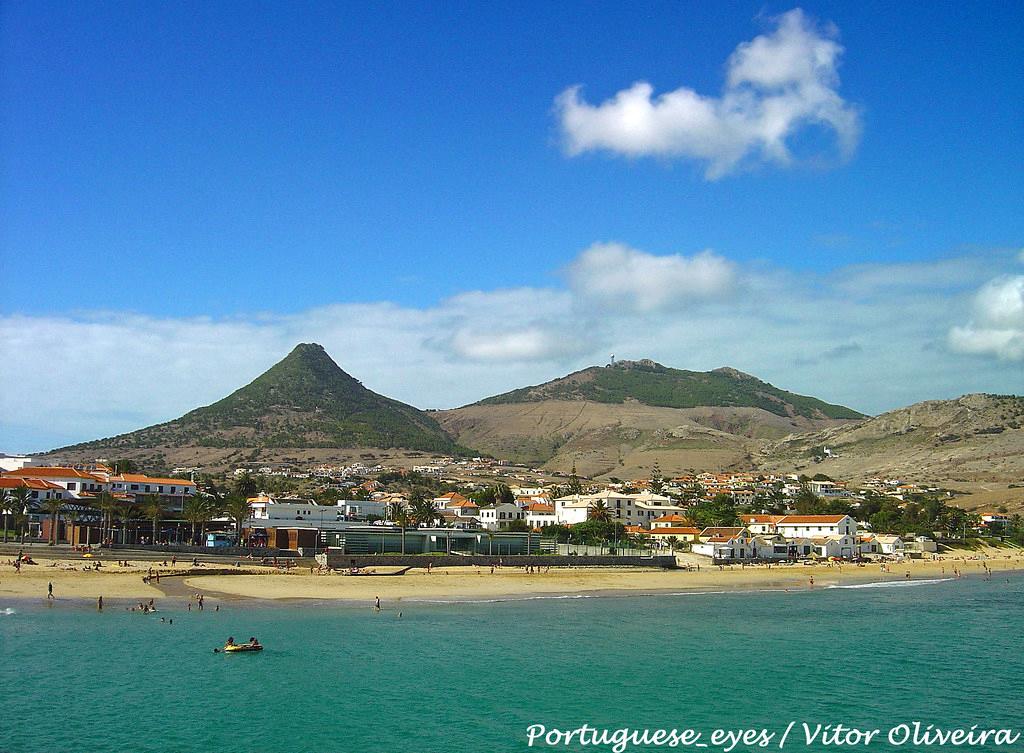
(305, 400)
(652, 384)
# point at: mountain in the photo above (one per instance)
(650, 383)
(304, 401)
(977, 437)
(622, 418)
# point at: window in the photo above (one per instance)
(135, 487)
(72, 486)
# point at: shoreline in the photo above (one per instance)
(469, 584)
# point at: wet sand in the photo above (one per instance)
(114, 583)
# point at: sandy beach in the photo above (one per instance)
(71, 581)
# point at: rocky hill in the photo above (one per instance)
(975, 437)
(304, 401)
(619, 420)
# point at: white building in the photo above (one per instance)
(572, 510)
(827, 488)
(890, 544)
(815, 526)
(75, 482)
(629, 509)
(540, 514)
(726, 543)
(15, 462)
(496, 517)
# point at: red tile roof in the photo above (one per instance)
(806, 519)
(53, 472)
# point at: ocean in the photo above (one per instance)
(468, 677)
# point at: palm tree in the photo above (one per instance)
(5, 495)
(20, 501)
(599, 511)
(237, 508)
(124, 512)
(107, 506)
(400, 514)
(198, 511)
(53, 507)
(20, 520)
(246, 485)
(153, 508)
(423, 510)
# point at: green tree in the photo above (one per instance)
(556, 531)
(19, 501)
(198, 510)
(423, 510)
(599, 511)
(720, 511)
(657, 484)
(153, 508)
(126, 466)
(125, 513)
(5, 498)
(106, 504)
(693, 493)
(238, 510)
(399, 513)
(246, 485)
(598, 531)
(807, 502)
(575, 486)
(20, 521)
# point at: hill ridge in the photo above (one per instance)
(304, 400)
(656, 385)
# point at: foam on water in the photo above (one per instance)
(8, 610)
(896, 583)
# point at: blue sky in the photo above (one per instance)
(188, 188)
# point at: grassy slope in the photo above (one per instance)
(652, 384)
(306, 400)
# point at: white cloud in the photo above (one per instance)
(529, 344)
(617, 275)
(71, 378)
(776, 85)
(998, 326)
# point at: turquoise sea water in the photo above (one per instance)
(472, 677)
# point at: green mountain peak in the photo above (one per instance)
(648, 382)
(304, 400)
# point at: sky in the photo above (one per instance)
(460, 199)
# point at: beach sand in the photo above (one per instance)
(469, 583)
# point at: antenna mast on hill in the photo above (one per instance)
(613, 359)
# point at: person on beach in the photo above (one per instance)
(376, 603)
(99, 604)
(49, 591)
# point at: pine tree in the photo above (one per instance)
(657, 481)
(575, 487)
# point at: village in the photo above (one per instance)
(483, 506)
